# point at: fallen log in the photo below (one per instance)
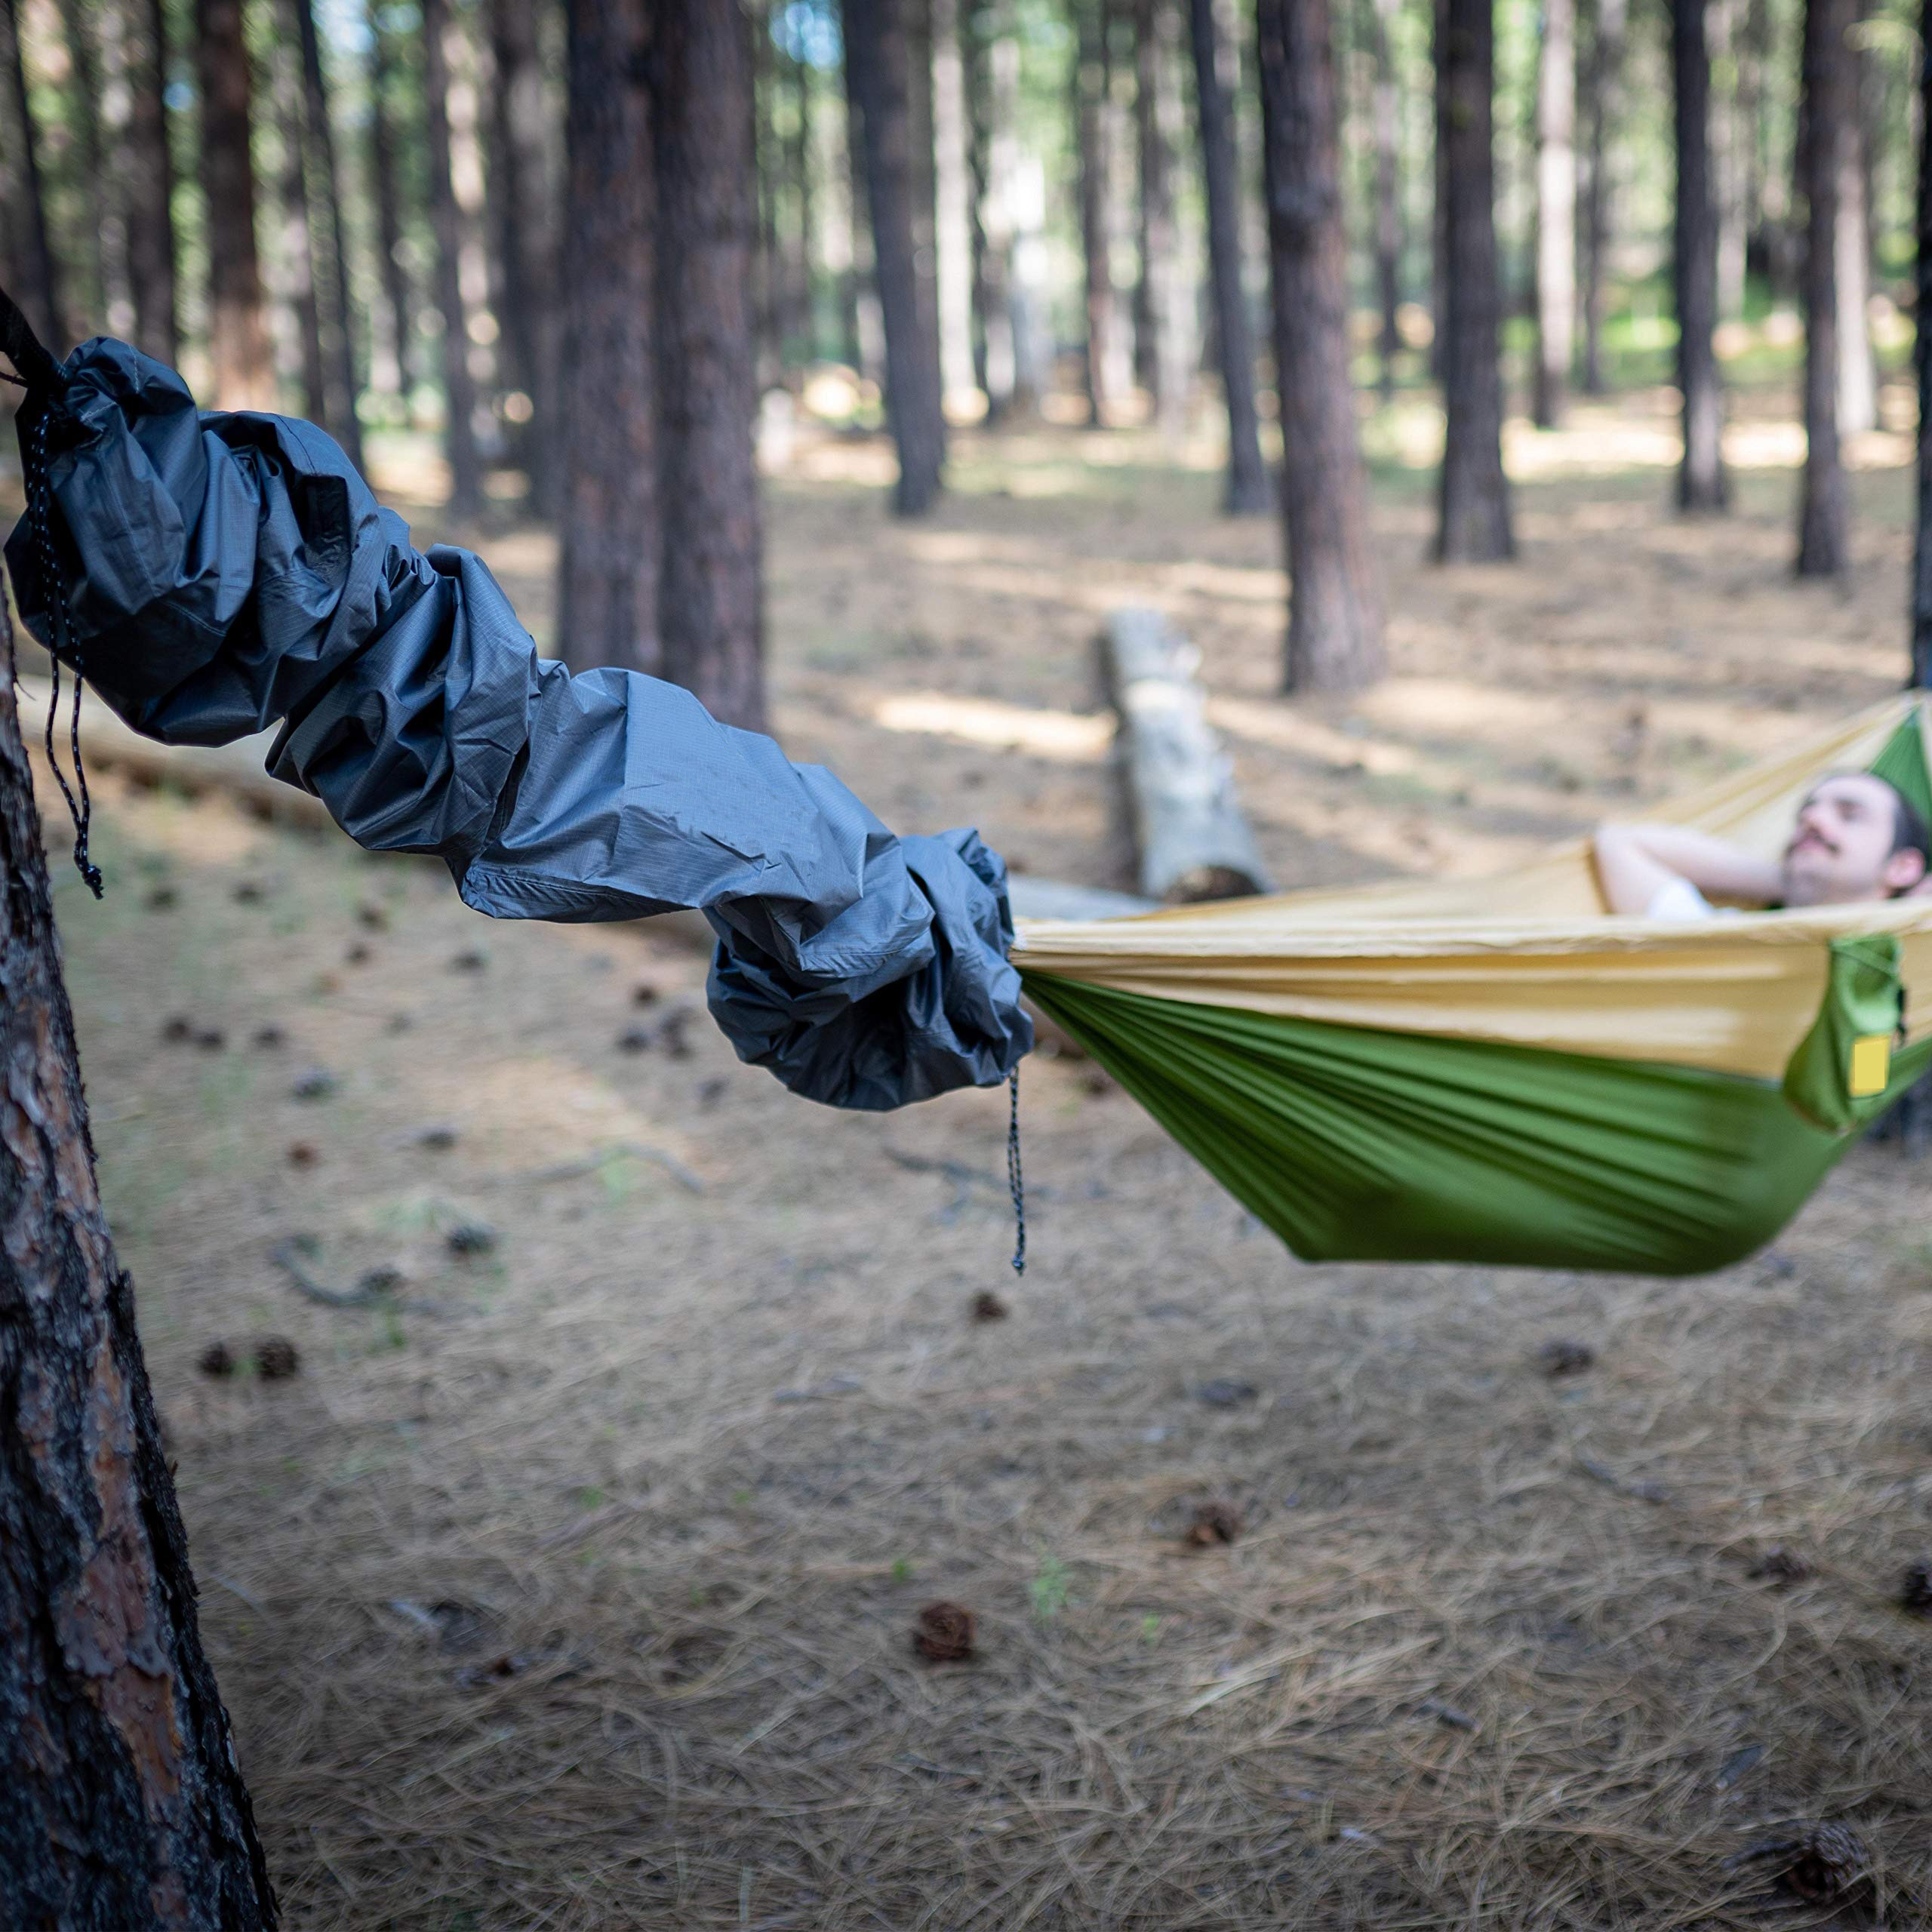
(1192, 840)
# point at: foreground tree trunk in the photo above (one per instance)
(446, 219)
(1247, 491)
(29, 259)
(150, 179)
(878, 77)
(607, 604)
(711, 616)
(1334, 600)
(1921, 555)
(1701, 484)
(1602, 74)
(1556, 210)
(237, 328)
(1829, 100)
(123, 1804)
(1473, 523)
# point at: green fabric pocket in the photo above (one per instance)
(1841, 1075)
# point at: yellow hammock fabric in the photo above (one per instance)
(1613, 1089)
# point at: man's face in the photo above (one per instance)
(1841, 850)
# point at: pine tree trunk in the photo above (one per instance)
(802, 279)
(711, 617)
(1603, 77)
(237, 327)
(1438, 226)
(150, 178)
(879, 77)
(124, 1807)
(1091, 79)
(1556, 210)
(1858, 375)
(609, 560)
(297, 253)
(1921, 554)
(1386, 115)
(768, 161)
(339, 357)
(1473, 525)
(1161, 297)
(952, 214)
(986, 32)
(90, 317)
(1701, 484)
(1334, 599)
(398, 296)
(1247, 491)
(31, 270)
(1727, 137)
(446, 220)
(521, 198)
(1823, 540)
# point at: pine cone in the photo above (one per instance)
(944, 1633)
(1822, 1864)
(1916, 1596)
(1214, 1523)
(1566, 1357)
(275, 1359)
(216, 1360)
(1779, 1566)
(987, 1307)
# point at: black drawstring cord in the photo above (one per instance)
(1014, 1179)
(40, 510)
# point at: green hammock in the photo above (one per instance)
(1522, 1111)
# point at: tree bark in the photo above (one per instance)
(521, 198)
(1556, 210)
(1248, 493)
(1822, 538)
(803, 278)
(446, 219)
(398, 296)
(1858, 374)
(609, 560)
(297, 253)
(1701, 483)
(1921, 553)
(878, 77)
(1169, 360)
(1473, 525)
(1603, 81)
(91, 317)
(711, 617)
(1727, 134)
(340, 360)
(992, 76)
(124, 1806)
(150, 182)
(1091, 79)
(1386, 115)
(1334, 599)
(237, 327)
(31, 273)
(953, 214)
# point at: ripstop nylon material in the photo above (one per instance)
(1359, 1146)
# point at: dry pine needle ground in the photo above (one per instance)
(570, 1585)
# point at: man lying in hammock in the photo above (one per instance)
(1856, 837)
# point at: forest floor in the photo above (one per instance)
(572, 1585)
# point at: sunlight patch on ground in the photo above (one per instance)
(1062, 735)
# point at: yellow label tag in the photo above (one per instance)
(1871, 1065)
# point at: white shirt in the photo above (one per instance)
(1681, 900)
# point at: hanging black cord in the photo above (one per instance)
(1014, 1179)
(41, 376)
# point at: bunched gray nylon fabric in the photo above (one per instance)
(227, 572)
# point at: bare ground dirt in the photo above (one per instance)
(571, 1583)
